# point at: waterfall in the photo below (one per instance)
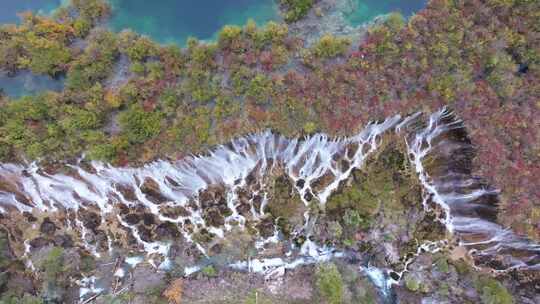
(95, 197)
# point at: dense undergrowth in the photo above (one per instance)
(479, 57)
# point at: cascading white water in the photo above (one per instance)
(27, 188)
(227, 165)
(469, 205)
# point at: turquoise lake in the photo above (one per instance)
(10, 8)
(173, 21)
(365, 10)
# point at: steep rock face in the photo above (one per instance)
(398, 196)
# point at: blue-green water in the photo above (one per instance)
(10, 8)
(173, 21)
(26, 83)
(365, 10)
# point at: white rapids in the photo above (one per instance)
(466, 202)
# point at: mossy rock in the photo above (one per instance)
(442, 265)
(463, 268)
(384, 189)
(493, 292)
(412, 283)
(209, 271)
(329, 282)
(285, 204)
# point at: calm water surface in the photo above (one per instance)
(173, 21)
(10, 8)
(365, 10)
(26, 83)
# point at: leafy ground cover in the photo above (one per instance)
(478, 57)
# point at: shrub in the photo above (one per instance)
(4, 250)
(92, 10)
(225, 107)
(353, 219)
(296, 9)
(395, 21)
(82, 27)
(257, 297)
(259, 88)
(78, 119)
(155, 70)
(8, 298)
(137, 68)
(310, 127)
(274, 32)
(104, 152)
(493, 292)
(170, 100)
(329, 283)
(203, 54)
(209, 271)
(5, 151)
(95, 64)
(140, 125)
(228, 34)
(141, 49)
(50, 57)
(52, 265)
(412, 283)
(329, 46)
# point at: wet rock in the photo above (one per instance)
(145, 233)
(39, 242)
(90, 219)
(102, 241)
(224, 210)
(132, 218)
(148, 219)
(64, 241)
(213, 217)
(244, 209)
(212, 196)
(266, 227)
(47, 227)
(122, 208)
(322, 182)
(29, 217)
(352, 149)
(167, 231)
(257, 201)
(151, 189)
(174, 212)
(126, 191)
(308, 196)
(172, 181)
